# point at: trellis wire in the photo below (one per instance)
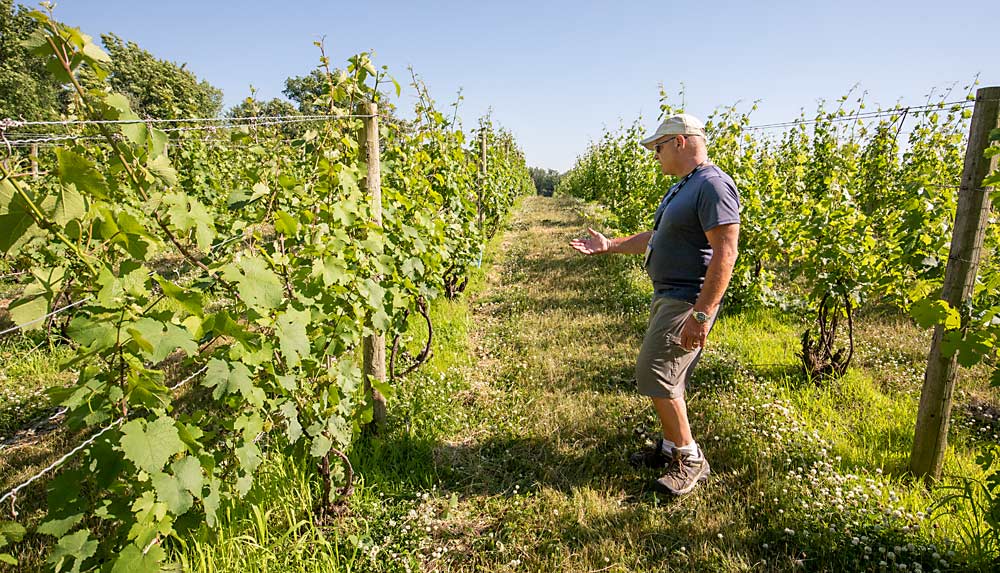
(12, 494)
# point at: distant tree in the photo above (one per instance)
(309, 90)
(305, 90)
(159, 88)
(274, 107)
(27, 90)
(545, 180)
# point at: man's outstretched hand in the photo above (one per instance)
(595, 244)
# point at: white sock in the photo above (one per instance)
(691, 450)
(667, 447)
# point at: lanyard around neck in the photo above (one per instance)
(670, 196)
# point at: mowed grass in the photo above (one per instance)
(508, 450)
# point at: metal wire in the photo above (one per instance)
(13, 124)
(962, 104)
(53, 313)
(188, 379)
(224, 123)
(12, 494)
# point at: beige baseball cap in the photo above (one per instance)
(680, 124)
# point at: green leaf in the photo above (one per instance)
(291, 415)
(189, 300)
(158, 140)
(170, 491)
(35, 301)
(285, 224)
(187, 213)
(383, 387)
(333, 270)
(160, 167)
(76, 548)
(211, 503)
(133, 560)
(77, 170)
(320, 446)
(249, 425)
(17, 226)
(257, 285)
(59, 527)
(64, 206)
(248, 456)
(32, 306)
(292, 338)
(216, 376)
(287, 381)
(95, 53)
(243, 484)
(241, 198)
(159, 339)
(188, 472)
(11, 532)
(94, 334)
(226, 381)
(240, 379)
(150, 446)
(930, 312)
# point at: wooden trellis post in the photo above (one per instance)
(482, 173)
(931, 437)
(374, 345)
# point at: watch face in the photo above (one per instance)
(700, 316)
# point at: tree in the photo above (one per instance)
(159, 88)
(545, 180)
(27, 90)
(271, 108)
(304, 90)
(310, 91)
(274, 107)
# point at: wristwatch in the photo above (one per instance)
(700, 317)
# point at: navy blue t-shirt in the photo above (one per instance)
(679, 250)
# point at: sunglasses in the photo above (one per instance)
(656, 148)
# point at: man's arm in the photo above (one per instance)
(724, 240)
(598, 243)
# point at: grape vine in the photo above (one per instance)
(246, 255)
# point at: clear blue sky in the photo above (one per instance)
(556, 72)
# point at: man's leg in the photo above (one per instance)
(673, 420)
(662, 371)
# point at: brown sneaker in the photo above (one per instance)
(651, 457)
(683, 473)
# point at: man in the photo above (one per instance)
(690, 255)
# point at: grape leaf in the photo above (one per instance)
(149, 446)
(258, 286)
(132, 559)
(292, 338)
(77, 547)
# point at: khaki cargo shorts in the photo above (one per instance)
(664, 366)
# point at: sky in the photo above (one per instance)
(556, 73)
